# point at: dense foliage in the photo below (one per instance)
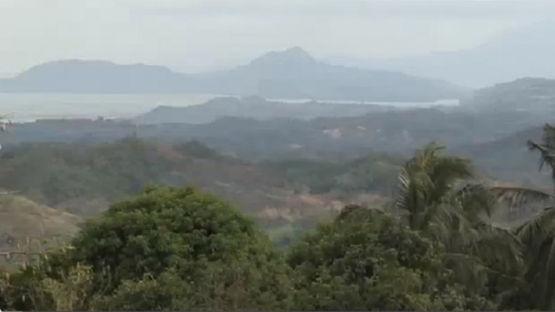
(166, 249)
(368, 260)
(55, 173)
(436, 247)
(368, 174)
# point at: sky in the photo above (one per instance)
(201, 35)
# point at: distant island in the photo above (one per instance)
(289, 74)
(255, 108)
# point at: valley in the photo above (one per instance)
(287, 165)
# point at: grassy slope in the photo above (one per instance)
(26, 226)
(21, 217)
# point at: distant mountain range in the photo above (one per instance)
(517, 53)
(294, 74)
(289, 74)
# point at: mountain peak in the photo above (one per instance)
(296, 52)
(292, 56)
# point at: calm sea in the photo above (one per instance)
(27, 107)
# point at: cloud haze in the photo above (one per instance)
(205, 34)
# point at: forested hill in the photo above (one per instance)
(527, 94)
(390, 131)
(485, 135)
(84, 179)
(256, 108)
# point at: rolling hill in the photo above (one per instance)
(21, 217)
(527, 94)
(28, 228)
(83, 179)
(253, 107)
(390, 131)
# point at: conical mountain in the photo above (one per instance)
(295, 56)
(294, 73)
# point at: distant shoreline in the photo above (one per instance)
(29, 107)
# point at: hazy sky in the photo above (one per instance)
(193, 35)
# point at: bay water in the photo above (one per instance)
(28, 107)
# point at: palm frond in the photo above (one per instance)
(438, 166)
(533, 233)
(475, 199)
(519, 197)
(512, 191)
(546, 148)
(502, 245)
(547, 154)
(424, 183)
(438, 220)
(411, 191)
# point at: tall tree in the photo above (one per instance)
(196, 251)
(538, 233)
(440, 196)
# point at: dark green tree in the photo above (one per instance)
(439, 196)
(369, 260)
(537, 234)
(173, 248)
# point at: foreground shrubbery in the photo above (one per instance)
(179, 249)
(166, 249)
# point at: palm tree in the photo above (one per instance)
(440, 196)
(537, 233)
(436, 191)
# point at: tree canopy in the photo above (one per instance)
(368, 260)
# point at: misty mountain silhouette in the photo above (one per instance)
(292, 73)
(516, 53)
(94, 77)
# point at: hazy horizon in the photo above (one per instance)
(198, 36)
(28, 107)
